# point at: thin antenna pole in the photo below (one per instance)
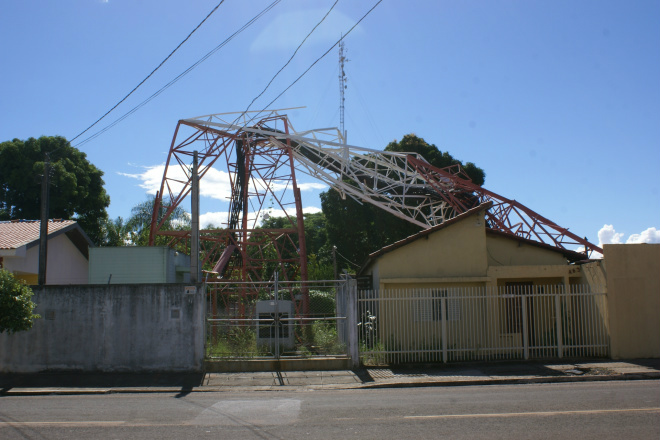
(342, 87)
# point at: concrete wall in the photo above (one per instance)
(110, 328)
(633, 290)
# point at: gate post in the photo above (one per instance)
(525, 327)
(351, 321)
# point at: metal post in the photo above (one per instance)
(525, 336)
(351, 321)
(276, 323)
(334, 260)
(443, 317)
(560, 337)
(43, 230)
(194, 233)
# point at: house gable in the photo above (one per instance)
(505, 251)
(457, 250)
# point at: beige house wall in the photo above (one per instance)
(633, 289)
(503, 251)
(459, 250)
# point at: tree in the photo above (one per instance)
(16, 304)
(411, 143)
(137, 227)
(76, 185)
(357, 229)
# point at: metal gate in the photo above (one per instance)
(454, 324)
(276, 319)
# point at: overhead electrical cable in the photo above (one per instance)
(184, 73)
(152, 72)
(314, 63)
(289, 61)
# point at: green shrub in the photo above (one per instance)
(16, 304)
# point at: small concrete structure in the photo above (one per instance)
(138, 264)
(122, 328)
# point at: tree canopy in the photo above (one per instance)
(135, 230)
(16, 306)
(76, 190)
(411, 143)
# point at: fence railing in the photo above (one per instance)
(517, 321)
(275, 320)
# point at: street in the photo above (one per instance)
(598, 410)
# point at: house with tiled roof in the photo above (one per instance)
(68, 251)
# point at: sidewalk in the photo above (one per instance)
(414, 376)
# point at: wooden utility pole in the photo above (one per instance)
(43, 230)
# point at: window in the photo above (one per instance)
(428, 306)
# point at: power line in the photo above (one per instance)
(152, 72)
(181, 75)
(289, 61)
(338, 253)
(317, 60)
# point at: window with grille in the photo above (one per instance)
(428, 306)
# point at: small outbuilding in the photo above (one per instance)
(68, 251)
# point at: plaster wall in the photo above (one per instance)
(65, 263)
(459, 250)
(128, 328)
(633, 290)
(503, 251)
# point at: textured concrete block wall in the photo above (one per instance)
(129, 328)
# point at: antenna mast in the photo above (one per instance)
(342, 87)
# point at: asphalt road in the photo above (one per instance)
(590, 410)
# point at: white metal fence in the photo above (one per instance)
(517, 321)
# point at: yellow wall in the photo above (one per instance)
(503, 251)
(633, 290)
(455, 251)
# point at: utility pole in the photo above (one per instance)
(342, 87)
(334, 260)
(43, 230)
(194, 233)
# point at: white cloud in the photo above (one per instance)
(607, 235)
(312, 186)
(651, 235)
(215, 183)
(220, 219)
(287, 30)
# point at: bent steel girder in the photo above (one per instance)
(256, 172)
(404, 184)
(407, 186)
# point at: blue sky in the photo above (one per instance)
(558, 101)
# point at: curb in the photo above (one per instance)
(415, 384)
(533, 380)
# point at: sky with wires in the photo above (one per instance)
(559, 102)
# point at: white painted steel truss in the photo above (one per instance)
(384, 179)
